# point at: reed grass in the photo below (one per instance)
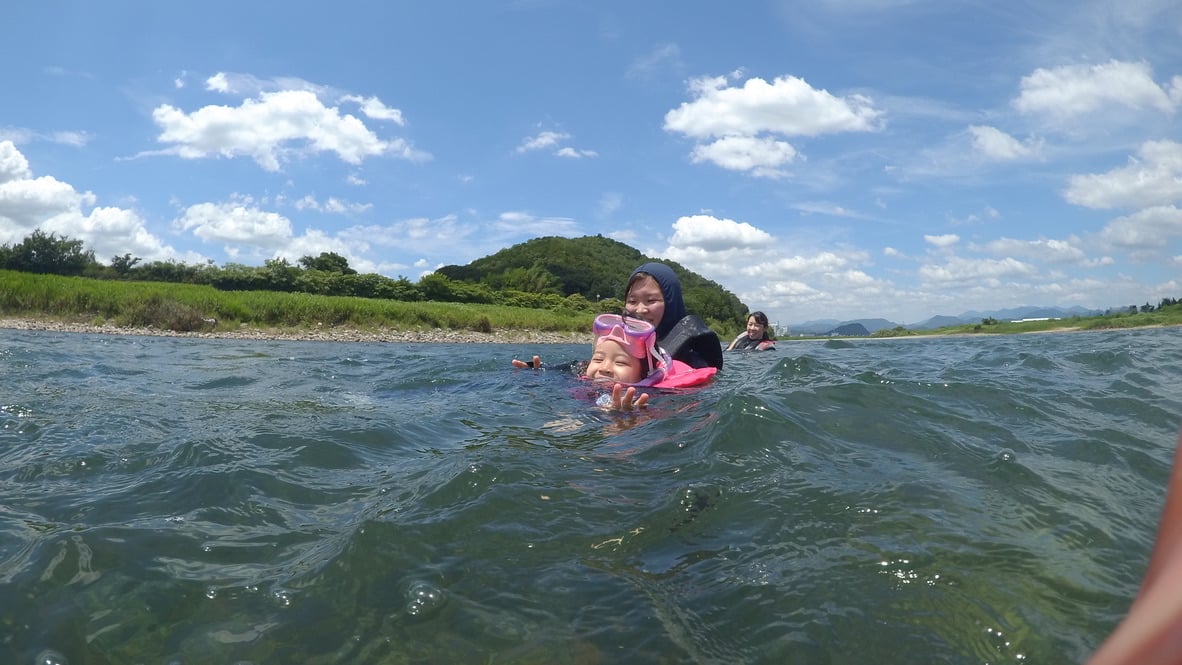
(191, 307)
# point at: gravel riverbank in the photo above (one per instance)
(318, 334)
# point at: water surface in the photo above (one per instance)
(956, 500)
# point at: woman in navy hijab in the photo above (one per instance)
(654, 294)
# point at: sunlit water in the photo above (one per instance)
(960, 500)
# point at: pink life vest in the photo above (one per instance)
(681, 375)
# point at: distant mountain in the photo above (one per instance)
(871, 325)
(941, 322)
(834, 327)
(814, 327)
(830, 326)
(851, 330)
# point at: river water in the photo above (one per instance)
(940, 500)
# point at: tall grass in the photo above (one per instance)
(190, 307)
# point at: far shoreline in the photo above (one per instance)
(342, 334)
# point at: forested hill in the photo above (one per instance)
(592, 266)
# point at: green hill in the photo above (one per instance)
(593, 266)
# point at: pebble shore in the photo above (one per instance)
(318, 334)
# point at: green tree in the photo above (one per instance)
(48, 254)
(122, 265)
(328, 262)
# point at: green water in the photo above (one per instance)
(977, 500)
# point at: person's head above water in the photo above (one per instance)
(757, 325)
(625, 351)
(654, 294)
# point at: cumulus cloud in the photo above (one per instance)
(1153, 177)
(959, 270)
(997, 145)
(1073, 90)
(942, 241)
(1051, 250)
(740, 128)
(235, 223)
(762, 156)
(29, 203)
(247, 231)
(1152, 228)
(788, 106)
(13, 165)
(712, 234)
(271, 128)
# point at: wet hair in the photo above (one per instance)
(759, 317)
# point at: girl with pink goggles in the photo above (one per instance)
(639, 338)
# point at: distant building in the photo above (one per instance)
(1041, 318)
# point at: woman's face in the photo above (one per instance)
(754, 329)
(610, 361)
(646, 301)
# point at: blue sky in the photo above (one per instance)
(822, 159)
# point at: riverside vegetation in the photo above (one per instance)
(547, 286)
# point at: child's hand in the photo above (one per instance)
(521, 364)
(625, 399)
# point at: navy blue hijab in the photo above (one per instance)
(670, 290)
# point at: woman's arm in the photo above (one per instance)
(1151, 633)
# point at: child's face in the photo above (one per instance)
(611, 362)
(646, 301)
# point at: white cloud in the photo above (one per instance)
(272, 128)
(236, 223)
(716, 235)
(1055, 251)
(542, 140)
(1073, 90)
(761, 155)
(331, 205)
(575, 154)
(736, 127)
(29, 203)
(1154, 177)
(13, 165)
(997, 145)
(247, 85)
(958, 270)
(373, 107)
(942, 241)
(1150, 228)
(788, 105)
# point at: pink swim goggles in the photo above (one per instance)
(639, 338)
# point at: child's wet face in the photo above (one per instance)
(611, 362)
(646, 301)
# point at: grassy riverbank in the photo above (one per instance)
(52, 302)
(188, 308)
(1170, 315)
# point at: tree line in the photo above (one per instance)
(326, 274)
